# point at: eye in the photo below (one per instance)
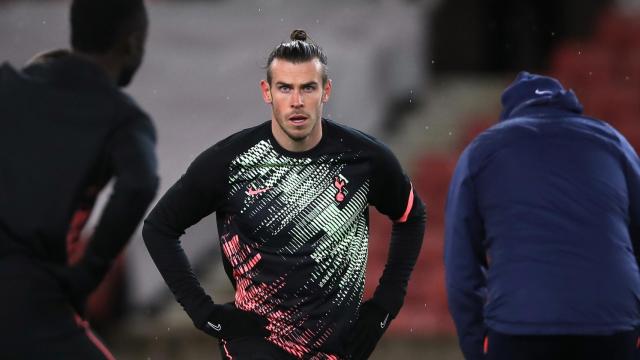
(309, 88)
(284, 88)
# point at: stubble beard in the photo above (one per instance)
(283, 122)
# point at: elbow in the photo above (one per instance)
(421, 214)
(421, 208)
(157, 228)
(150, 233)
(418, 213)
(147, 230)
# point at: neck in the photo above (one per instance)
(105, 61)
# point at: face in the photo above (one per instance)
(296, 95)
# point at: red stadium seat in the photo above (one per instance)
(476, 126)
(580, 66)
(629, 67)
(631, 131)
(612, 103)
(432, 175)
(612, 30)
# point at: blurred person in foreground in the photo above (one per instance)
(291, 197)
(542, 220)
(66, 129)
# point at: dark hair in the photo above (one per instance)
(298, 50)
(96, 25)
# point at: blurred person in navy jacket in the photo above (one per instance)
(542, 218)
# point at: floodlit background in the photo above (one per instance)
(423, 76)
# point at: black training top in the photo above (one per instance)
(293, 229)
(65, 131)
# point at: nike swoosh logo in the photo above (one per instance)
(384, 322)
(254, 192)
(544, 92)
(216, 327)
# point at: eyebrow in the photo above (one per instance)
(310, 83)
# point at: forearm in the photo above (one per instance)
(466, 307)
(120, 218)
(174, 266)
(405, 244)
(223, 321)
(466, 289)
(123, 212)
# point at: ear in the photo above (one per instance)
(266, 91)
(326, 91)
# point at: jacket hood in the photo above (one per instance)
(532, 92)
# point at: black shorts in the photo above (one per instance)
(252, 348)
(37, 321)
(620, 346)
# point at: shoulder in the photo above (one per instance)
(356, 139)
(228, 148)
(242, 139)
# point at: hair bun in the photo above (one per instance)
(298, 35)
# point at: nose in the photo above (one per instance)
(296, 100)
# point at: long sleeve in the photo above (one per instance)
(404, 247)
(133, 161)
(194, 196)
(465, 261)
(393, 195)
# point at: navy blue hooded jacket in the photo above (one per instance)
(542, 218)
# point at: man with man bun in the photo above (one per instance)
(291, 198)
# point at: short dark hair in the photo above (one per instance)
(299, 49)
(96, 25)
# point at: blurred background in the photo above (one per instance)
(423, 76)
